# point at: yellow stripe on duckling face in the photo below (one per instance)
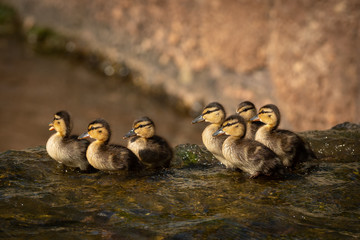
(246, 110)
(270, 115)
(59, 125)
(57, 117)
(143, 125)
(144, 129)
(213, 115)
(234, 126)
(98, 132)
(95, 126)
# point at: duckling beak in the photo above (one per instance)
(255, 119)
(84, 135)
(129, 134)
(219, 132)
(198, 119)
(51, 126)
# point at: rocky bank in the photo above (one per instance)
(302, 55)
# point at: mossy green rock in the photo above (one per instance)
(191, 155)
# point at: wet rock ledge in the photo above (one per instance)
(195, 199)
(339, 144)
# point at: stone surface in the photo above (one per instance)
(314, 61)
(302, 55)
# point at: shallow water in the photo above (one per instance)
(35, 87)
(196, 198)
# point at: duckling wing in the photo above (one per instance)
(294, 147)
(82, 143)
(157, 153)
(75, 152)
(165, 150)
(258, 158)
(121, 158)
(309, 153)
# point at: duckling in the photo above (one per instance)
(152, 150)
(214, 113)
(66, 148)
(290, 147)
(108, 157)
(246, 154)
(247, 110)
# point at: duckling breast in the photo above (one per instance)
(96, 156)
(137, 144)
(214, 144)
(153, 152)
(250, 156)
(230, 151)
(53, 147)
(67, 151)
(260, 159)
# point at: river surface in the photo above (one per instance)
(195, 199)
(34, 87)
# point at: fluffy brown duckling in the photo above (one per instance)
(247, 110)
(290, 147)
(246, 154)
(108, 157)
(64, 147)
(214, 113)
(152, 150)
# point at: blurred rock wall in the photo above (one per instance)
(303, 55)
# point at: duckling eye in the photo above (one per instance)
(245, 110)
(210, 111)
(263, 111)
(144, 125)
(92, 128)
(99, 131)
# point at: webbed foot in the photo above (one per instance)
(255, 175)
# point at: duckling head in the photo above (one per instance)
(247, 110)
(99, 130)
(270, 115)
(212, 113)
(143, 127)
(61, 123)
(234, 125)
